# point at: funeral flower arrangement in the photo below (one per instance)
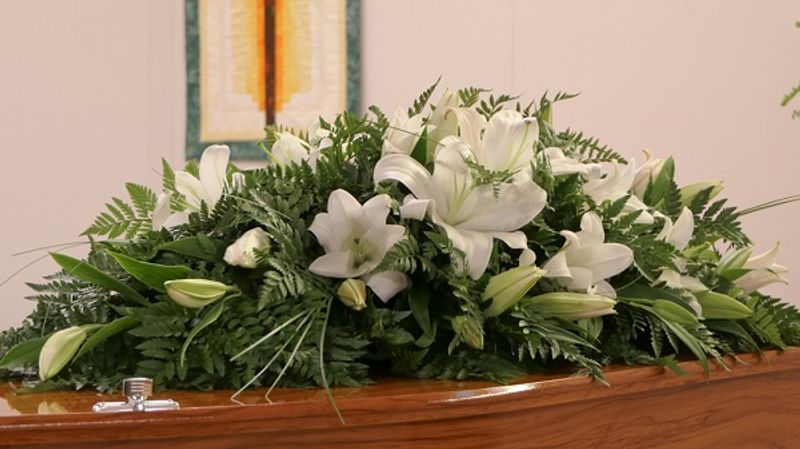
(463, 237)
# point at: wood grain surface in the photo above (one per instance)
(754, 405)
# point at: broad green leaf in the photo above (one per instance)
(206, 321)
(418, 301)
(691, 342)
(152, 275)
(420, 151)
(89, 273)
(733, 328)
(25, 353)
(642, 291)
(112, 328)
(192, 247)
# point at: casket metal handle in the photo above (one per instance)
(137, 390)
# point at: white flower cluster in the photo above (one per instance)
(444, 191)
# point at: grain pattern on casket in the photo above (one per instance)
(752, 406)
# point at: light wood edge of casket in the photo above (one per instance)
(400, 405)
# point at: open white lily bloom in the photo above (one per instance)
(318, 137)
(614, 182)
(508, 142)
(403, 133)
(678, 235)
(470, 215)
(208, 188)
(355, 239)
(648, 172)
(586, 260)
(441, 122)
(289, 149)
(562, 165)
(763, 271)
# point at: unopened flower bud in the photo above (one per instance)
(59, 349)
(571, 306)
(673, 312)
(196, 293)
(717, 306)
(243, 251)
(353, 293)
(690, 191)
(468, 330)
(507, 288)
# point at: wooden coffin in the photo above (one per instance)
(755, 405)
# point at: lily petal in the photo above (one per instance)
(605, 261)
(414, 209)
(191, 188)
(477, 248)
(336, 265)
(214, 171)
(386, 284)
(508, 142)
(681, 232)
(407, 171)
(470, 125)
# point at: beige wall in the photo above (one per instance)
(91, 95)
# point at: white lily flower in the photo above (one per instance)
(586, 260)
(212, 181)
(243, 251)
(163, 217)
(763, 271)
(562, 165)
(355, 239)
(471, 216)
(678, 235)
(207, 189)
(318, 137)
(403, 133)
(442, 123)
(289, 149)
(649, 171)
(614, 182)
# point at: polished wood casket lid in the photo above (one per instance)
(757, 395)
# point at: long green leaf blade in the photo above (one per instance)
(89, 273)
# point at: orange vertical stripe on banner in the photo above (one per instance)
(260, 55)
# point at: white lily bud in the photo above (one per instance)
(468, 330)
(723, 307)
(353, 293)
(59, 349)
(507, 288)
(762, 271)
(571, 306)
(196, 293)
(649, 171)
(675, 313)
(689, 191)
(243, 251)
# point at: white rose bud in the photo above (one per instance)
(58, 350)
(353, 293)
(242, 252)
(196, 293)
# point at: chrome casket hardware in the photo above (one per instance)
(137, 390)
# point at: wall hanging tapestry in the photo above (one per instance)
(251, 63)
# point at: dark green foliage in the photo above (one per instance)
(285, 326)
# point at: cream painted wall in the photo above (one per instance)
(91, 95)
